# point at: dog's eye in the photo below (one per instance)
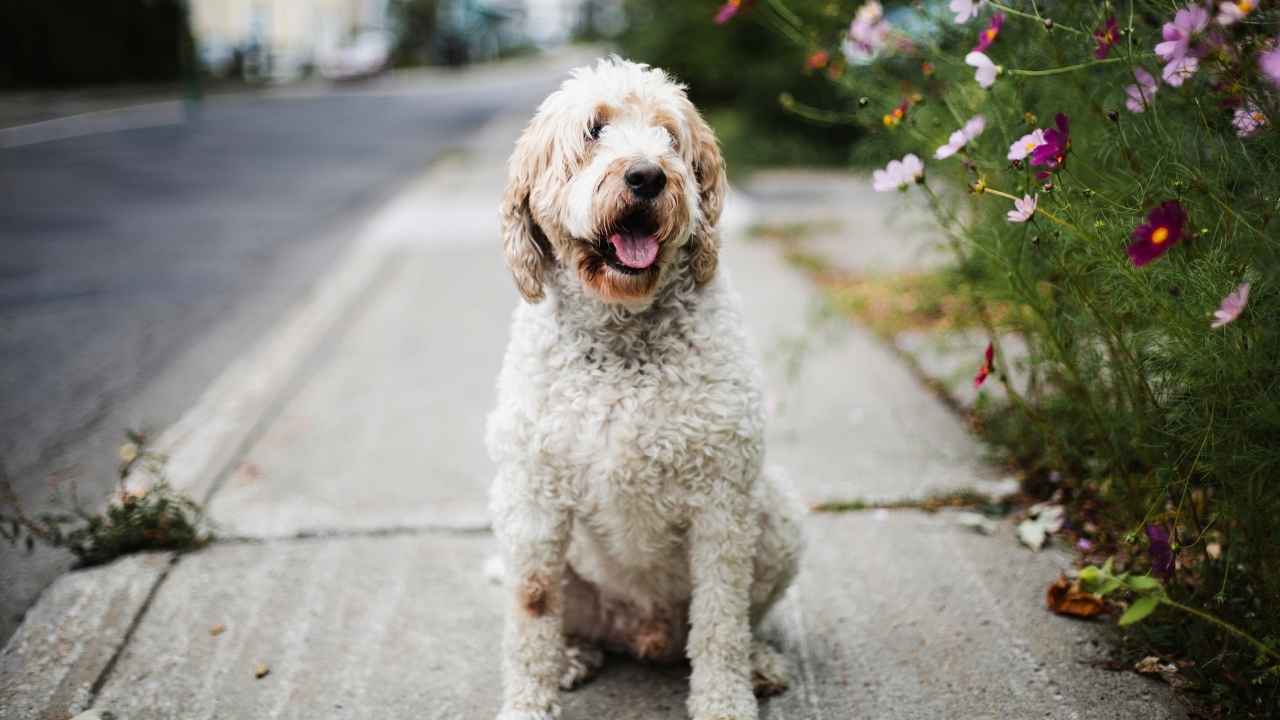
(596, 128)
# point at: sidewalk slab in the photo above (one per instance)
(68, 640)
(901, 616)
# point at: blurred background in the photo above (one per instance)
(175, 174)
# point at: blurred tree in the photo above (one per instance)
(735, 73)
(89, 42)
(417, 22)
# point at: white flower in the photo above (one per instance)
(966, 10)
(867, 34)
(961, 137)
(1026, 144)
(898, 174)
(1023, 209)
(987, 70)
(1231, 12)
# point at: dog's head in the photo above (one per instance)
(618, 178)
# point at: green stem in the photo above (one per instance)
(1223, 624)
(1063, 69)
(1037, 17)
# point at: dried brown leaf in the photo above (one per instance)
(1065, 597)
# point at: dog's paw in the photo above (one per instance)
(582, 664)
(770, 671)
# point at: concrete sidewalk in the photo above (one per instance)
(343, 466)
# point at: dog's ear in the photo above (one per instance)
(708, 167)
(527, 252)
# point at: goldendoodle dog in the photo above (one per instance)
(631, 501)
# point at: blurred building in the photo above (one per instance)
(284, 39)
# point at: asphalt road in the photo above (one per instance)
(136, 264)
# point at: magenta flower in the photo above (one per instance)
(1023, 209)
(1052, 153)
(984, 370)
(1160, 552)
(1141, 95)
(1182, 59)
(1161, 231)
(729, 10)
(1106, 37)
(1248, 120)
(1269, 63)
(988, 36)
(1232, 305)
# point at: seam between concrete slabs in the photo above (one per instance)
(342, 324)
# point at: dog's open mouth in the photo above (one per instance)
(631, 246)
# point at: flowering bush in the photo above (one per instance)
(1108, 173)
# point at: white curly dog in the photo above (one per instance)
(631, 501)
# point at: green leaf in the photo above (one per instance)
(1143, 583)
(1109, 566)
(1141, 608)
(1089, 574)
(1109, 587)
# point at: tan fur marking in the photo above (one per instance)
(535, 595)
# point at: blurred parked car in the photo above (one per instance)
(365, 55)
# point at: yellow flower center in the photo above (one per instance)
(991, 34)
(1245, 6)
(1159, 236)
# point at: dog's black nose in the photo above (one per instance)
(646, 180)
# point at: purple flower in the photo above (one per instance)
(1052, 153)
(1232, 305)
(1023, 209)
(1269, 63)
(988, 36)
(1182, 59)
(1248, 120)
(1162, 231)
(1106, 36)
(1160, 552)
(984, 370)
(1141, 95)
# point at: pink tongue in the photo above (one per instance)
(635, 251)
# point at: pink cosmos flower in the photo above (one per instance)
(1182, 59)
(868, 33)
(1269, 63)
(1162, 231)
(898, 174)
(984, 370)
(966, 10)
(1248, 120)
(1023, 209)
(1106, 37)
(1232, 12)
(729, 10)
(1232, 305)
(961, 137)
(986, 70)
(1026, 144)
(1141, 95)
(989, 35)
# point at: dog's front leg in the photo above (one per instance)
(722, 544)
(534, 534)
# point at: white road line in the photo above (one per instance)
(157, 114)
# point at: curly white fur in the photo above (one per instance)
(630, 499)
